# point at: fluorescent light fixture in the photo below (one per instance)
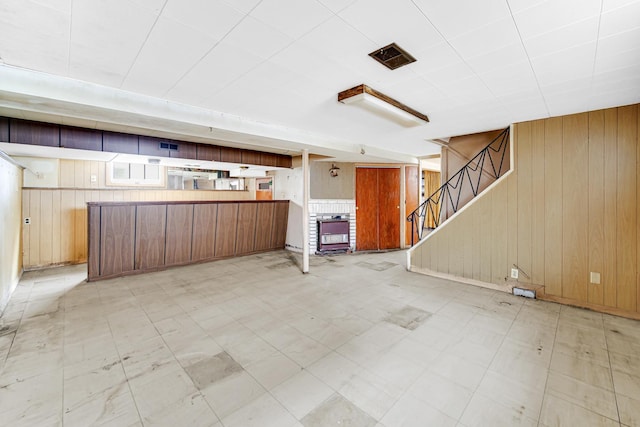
(244, 172)
(378, 103)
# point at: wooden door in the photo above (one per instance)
(411, 201)
(378, 208)
(389, 208)
(366, 209)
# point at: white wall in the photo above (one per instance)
(287, 185)
(10, 231)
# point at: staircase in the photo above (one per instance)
(480, 172)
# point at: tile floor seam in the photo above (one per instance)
(133, 397)
(615, 394)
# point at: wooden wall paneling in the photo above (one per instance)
(268, 159)
(226, 230)
(35, 226)
(204, 232)
(151, 223)
(638, 208)
(367, 207)
(389, 208)
(94, 170)
(595, 292)
(575, 204)
(283, 161)
(81, 139)
(34, 133)
(208, 152)
(537, 199)
(4, 129)
(78, 174)
(484, 224)
(264, 221)
(117, 242)
(67, 226)
(611, 225)
(279, 232)
(93, 234)
(26, 228)
(411, 197)
(46, 228)
(186, 150)
(512, 219)
(553, 206)
(230, 155)
(56, 253)
(150, 146)
(80, 223)
(442, 244)
(250, 157)
(179, 233)
(470, 244)
(456, 248)
(499, 214)
(67, 173)
(116, 142)
(246, 228)
(626, 215)
(524, 200)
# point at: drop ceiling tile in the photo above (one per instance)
(59, 5)
(567, 103)
(223, 65)
(563, 38)
(336, 6)
(291, 17)
(519, 5)
(500, 58)
(487, 39)
(257, 38)
(337, 40)
(213, 18)
(386, 22)
(613, 99)
(469, 89)
(434, 58)
(608, 5)
(609, 61)
(169, 52)
(98, 53)
(552, 15)
(154, 6)
(510, 79)
(446, 75)
(621, 78)
(298, 58)
(566, 65)
(244, 6)
(619, 20)
(446, 16)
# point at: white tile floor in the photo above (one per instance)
(253, 342)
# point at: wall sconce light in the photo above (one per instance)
(382, 105)
(334, 170)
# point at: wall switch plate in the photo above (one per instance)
(27, 220)
(514, 273)
(94, 178)
(594, 278)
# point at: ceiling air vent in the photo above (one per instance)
(392, 56)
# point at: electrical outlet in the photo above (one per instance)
(27, 220)
(594, 278)
(514, 273)
(94, 178)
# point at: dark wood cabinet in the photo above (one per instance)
(250, 157)
(115, 142)
(150, 236)
(179, 220)
(268, 159)
(151, 146)
(208, 152)
(34, 133)
(81, 139)
(134, 237)
(283, 161)
(182, 150)
(226, 230)
(230, 155)
(4, 129)
(117, 239)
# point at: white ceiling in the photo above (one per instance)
(267, 72)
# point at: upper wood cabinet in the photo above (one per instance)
(283, 161)
(151, 146)
(230, 155)
(251, 157)
(81, 139)
(4, 129)
(184, 150)
(116, 142)
(208, 152)
(268, 159)
(34, 133)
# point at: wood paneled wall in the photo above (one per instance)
(569, 208)
(57, 233)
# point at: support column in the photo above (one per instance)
(305, 210)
